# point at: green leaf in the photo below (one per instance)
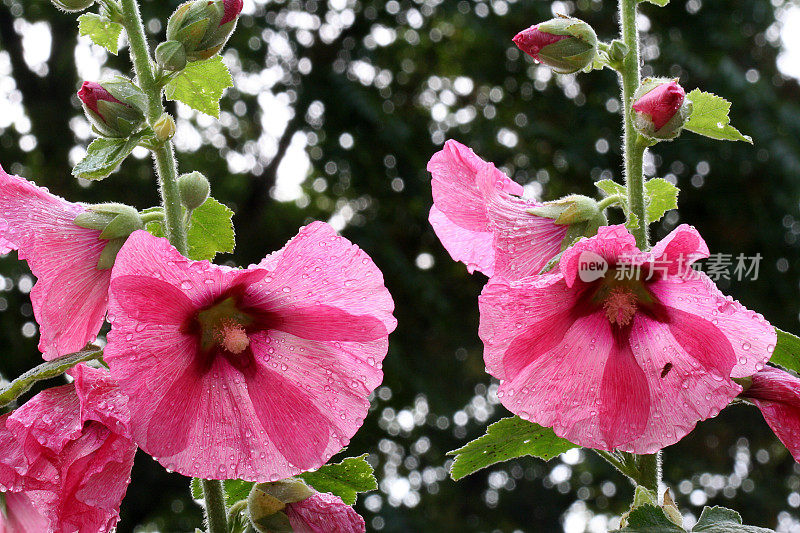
(661, 197)
(210, 231)
(507, 439)
(200, 85)
(659, 3)
(710, 117)
(236, 490)
(611, 187)
(345, 479)
(155, 228)
(103, 157)
(649, 519)
(722, 520)
(787, 351)
(101, 30)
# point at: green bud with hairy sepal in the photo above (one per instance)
(164, 128)
(581, 214)
(72, 6)
(267, 501)
(115, 223)
(194, 189)
(660, 109)
(171, 56)
(203, 26)
(565, 44)
(114, 107)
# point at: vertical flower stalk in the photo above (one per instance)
(163, 155)
(167, 169)
(634, 145)
(649, 466)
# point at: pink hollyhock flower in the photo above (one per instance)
(777, 394)
(62, 465)
(611, 360)
(255, 374)
(70, 295)
(481, 223)
(324, 513)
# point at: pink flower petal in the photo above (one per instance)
(324, 513)
(320, 318)
(459, 214)
(777, 394)
(682, 247)
(22, 515)
(473, 248)
(750, 337)
(610, 243)
(63, 257)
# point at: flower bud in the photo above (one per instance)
(171, 55)
(72, 5)
(115, 222)
(109, 114)
(660, 108)
(267, 502)
(565, 44)
(194, 190)
(203, 26)
(164, 127)
(582, 214)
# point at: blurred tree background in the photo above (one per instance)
(337, 107)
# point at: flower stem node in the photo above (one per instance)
(171, 56)
(194, 189)
(164, 127)
(582, 214)
(72, 6)
(267, 502)
(202, 27)
(660, 109)
(115, 107)
(565, 44)
(115, 222)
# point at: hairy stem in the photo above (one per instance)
(634, 145)
(216, 515)
(648, 467)
(46, 370)
(163, 154)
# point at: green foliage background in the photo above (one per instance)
(743, 199)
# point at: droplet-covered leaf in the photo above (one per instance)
(660, 3)
(787, 351)
(103, 157)
(710, 117)
(507, 439)
(236, 490)
(661, 197)
(200, 85)
(649, 519)
(210, 231)
(101, 30)
(722, 520)
(345, 479)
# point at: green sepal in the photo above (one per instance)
(276, 523)
(570, 55)
(127, 92)
(109, 253)
(786, 352)
(93, 220)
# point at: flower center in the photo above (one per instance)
(620, 305)
(224, 325)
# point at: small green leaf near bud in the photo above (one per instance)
(171, 56)
(194, 190)
(709, 117)
(164, 128)
(101, 30)
(72, 6)
(201, 85)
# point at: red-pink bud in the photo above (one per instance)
(660, 108)
(232, 10)
(91, 92)
(532, 40)
(661, 103)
